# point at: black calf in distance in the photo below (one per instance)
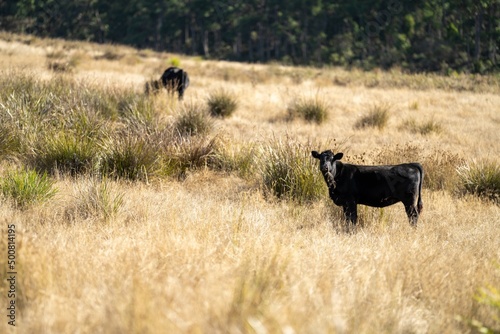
(174, 79)
(376, 186)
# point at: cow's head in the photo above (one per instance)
(327, 164)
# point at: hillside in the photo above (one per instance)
(155, 228)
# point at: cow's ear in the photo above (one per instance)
(338, 156)
(315, 154)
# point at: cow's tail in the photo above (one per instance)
(185, 79)
(420, 204)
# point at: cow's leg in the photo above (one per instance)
(351, 212)
(412, 213)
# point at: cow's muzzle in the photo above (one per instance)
(330, 180)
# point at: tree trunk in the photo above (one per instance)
(206, 51)
(159, 25)
(237, 46)
(260, 42)
(479, 22)
(491, 26)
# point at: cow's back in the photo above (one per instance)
(377, 186)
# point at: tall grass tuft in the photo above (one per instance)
(481, 179)
(130, 157)
(440, 170)
(10, 142)
(60, 66)
(190, 153)
(258, 284)
(97, 198)
(26, 187)
(67, 153)
(310, 109)
(289, 172)
(193, 120)
(228, 157)
(137, 111)
(423, 128)
(377, 117)
(222, 104)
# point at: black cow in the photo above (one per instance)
(377, 186)
(174, 79)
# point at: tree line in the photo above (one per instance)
(422, 35)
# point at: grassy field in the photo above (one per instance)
(143, 214)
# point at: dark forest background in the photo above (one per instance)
(423, 35)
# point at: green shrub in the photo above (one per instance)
(289, 172)
(377, 117)
(174, 61)
(193, 120)
(481, 179)
(221, 104)
(27, 187)
(312, 110)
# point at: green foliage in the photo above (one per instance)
(174, 61)
(27, 187)
(489, 296)
(289, 172)
(382, 34)
(312, 110)
(221, 104)
(377, 117)
(481, 179)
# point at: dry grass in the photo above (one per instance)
(211, 253)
